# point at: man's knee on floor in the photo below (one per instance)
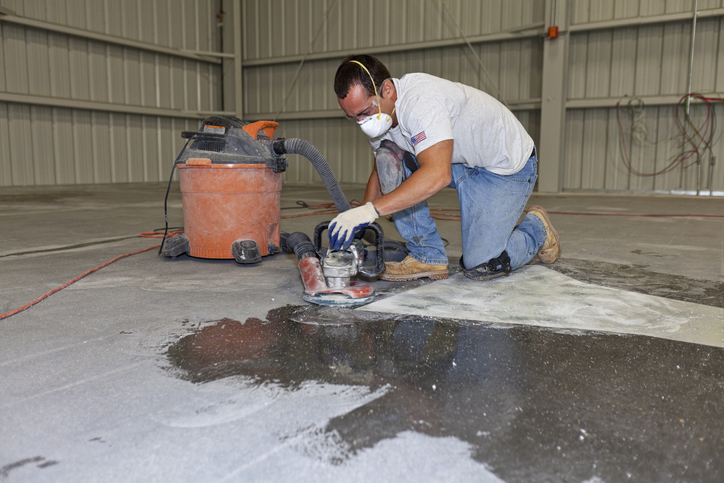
(495, 267)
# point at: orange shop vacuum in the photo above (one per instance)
(230, 174)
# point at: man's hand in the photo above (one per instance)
(345, 225)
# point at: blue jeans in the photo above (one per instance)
(490, 206)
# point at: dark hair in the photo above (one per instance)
(349, 74)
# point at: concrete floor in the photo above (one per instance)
(154, 369)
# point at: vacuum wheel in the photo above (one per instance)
(176, 245)
(246, 252)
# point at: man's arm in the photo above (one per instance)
(433, 175)
(373, 190)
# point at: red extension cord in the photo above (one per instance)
(436, 213)
(58, 289)
(85, 274)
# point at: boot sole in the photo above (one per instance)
(483, 277)
(414, 276)
(544, 257)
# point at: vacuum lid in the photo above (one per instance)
(230, 140)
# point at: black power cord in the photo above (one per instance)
(165, 200)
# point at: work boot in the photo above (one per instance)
(494, 268)
(411, 269)
(552, 247)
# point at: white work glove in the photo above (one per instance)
(345, 225)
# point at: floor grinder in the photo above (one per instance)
(327, 273)
(230, 177)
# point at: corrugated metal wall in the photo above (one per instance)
(44, 140)
(278, 33)
(279, 28)
(605, 64)
(650, 62)
(75, 109)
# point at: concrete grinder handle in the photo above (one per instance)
(368, 270)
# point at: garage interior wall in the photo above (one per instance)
(651, 62)
(408, 36)
(617, 50)
(134, 99)
(98, 91)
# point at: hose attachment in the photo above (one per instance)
(301, 245)
(306, 149)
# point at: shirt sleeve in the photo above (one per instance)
(428, 123)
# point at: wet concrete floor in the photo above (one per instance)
(202, 370)
(533, 404)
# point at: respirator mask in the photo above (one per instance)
(377, 124)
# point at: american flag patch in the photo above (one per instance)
(418, 138)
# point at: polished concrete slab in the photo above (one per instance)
(202, 370)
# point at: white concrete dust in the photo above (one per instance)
(214, 405)
(538, 296)
(410, 456)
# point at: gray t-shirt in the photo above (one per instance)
(485, 133)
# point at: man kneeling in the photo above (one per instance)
(428, 133)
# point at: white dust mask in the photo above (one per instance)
(378, 124)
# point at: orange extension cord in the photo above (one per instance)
(85, 274)
(155, 234)
(444, 214)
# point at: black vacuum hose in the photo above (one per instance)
(397, 250)
(306, 149)
(301, 245)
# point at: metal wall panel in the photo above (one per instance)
(588, 11)
(279, 28)
(643, 61)
(511, 64)
(53, 145)
(639, 61)
(514, 65)
(42, 145)
(183, 24)
(594, 157)
(57, 146)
